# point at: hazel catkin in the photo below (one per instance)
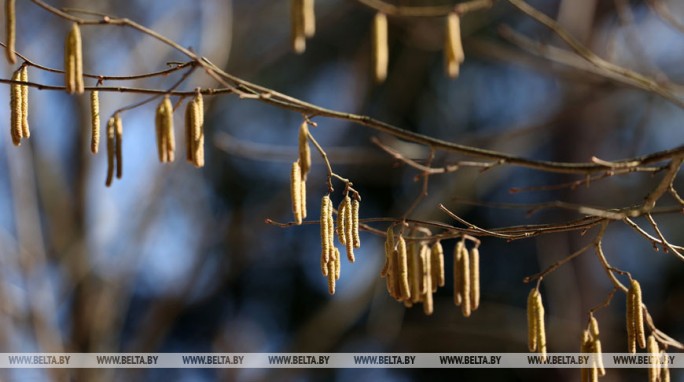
(94, 121)
(380, 47)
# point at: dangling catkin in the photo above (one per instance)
(111, 147)
(167, 141)
(539, 320)
(453, 49)
(10, 31)
(413, 262)
(631, 325)
(331, 276)
(348, 230)
(428, 307)
(73, 61)
(309, 18)
(638, 315)
(652, 349)
(380, 47)
(355, 223)
(159, 129)
(466, 306)
(304, 150)
(23, 75)
(15, 110)
(474, 278)
(664, 368)
(586, 348)
(437, 265)
(325, 231)
(198, 131)
(458, 292)
(338, 264)
(341, 221)
(296, 192)
(532, 320)
(119, 144)
(593, 330)
(389, 248)
(95, 121)
(303, 196)
(402, 269)
(298, 14)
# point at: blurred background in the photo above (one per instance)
(177, 259)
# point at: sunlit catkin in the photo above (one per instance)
(303, 196)
(111, 147)
(159, 130)
(428, 307)
(198, 130)
(638, 314)
(338, 264)
(453, 49)
(23, 76)
(73, 61)
(437, 266)
(380, 47)
(326, 247)
(342, 221)
(402, 269)
(585, 347)
(631, 325)
(389, 248)
(166, 143)
(296, 192)
(652, 349)
(331, 276)
(349, 230)
(297, 22)
(304, 150)
(94, 121)
(474, 278)
(539, 324)
(119, 144)
(466, 285)
(532, 320)
(355, 223)
(458, 292)
(10, 31)
(15, 110)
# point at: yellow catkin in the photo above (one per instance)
(664, 368)
(598, 353)
(309, 18)
(119, 144)
(584, 348)
(331, 276)
(338, 264)
(652, 349)
(414, 276)
(10, 31)
(15, 110)
(296, 192)
(198, 130)
(298, 31)
(303, 188)
(631, 327)
(474, 278)
(402, 269)
(111, 147)
(532, 320)
(341, 221)
(167, 130)
(190, 116)
(348, 230)
(389, 248)
(638, 315)
(159, 130)
(539, 320)
(593, 327)
(380, 47)
(94, 121)
(453, 48)
(466, 306)
(428, 306)
(391, 272)
(458, 252)
(437, 265)
(325, 239)
(355, 223)
(73, 61)
(304, 149)
(23, 75)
